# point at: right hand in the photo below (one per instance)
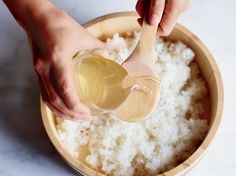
(162, 12)
(54, 41)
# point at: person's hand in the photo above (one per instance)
(164, 12)
(54, 41)
(55, 38)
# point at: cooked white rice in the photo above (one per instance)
(159, 143)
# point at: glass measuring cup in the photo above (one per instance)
(104, 85)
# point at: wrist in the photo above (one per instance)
(29, 13)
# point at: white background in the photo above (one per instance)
(24, 146)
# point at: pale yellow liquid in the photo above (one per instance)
(105, 86)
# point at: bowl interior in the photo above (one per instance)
(121, 23)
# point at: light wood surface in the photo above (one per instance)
(126, 21)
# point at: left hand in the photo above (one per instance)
(164, 12)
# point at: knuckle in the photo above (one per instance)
(38, 66)
(54, 99)
(75, 107)
(56, 53)
(73, 116)
(65, 88)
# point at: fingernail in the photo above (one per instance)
(85, 118)
(154, 19)
(83, 110)
(81, 117)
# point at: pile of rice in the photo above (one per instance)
(169, 136)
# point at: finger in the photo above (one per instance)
(63, 77)
(45, 98)
(156, 11)
(140, 7)
(43, 91)
(54, 109)
(56, 103)
(172, 11)
(43, 70)
(81, 117)
(40, 68)
(61, 114)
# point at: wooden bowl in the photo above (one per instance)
(127, 21)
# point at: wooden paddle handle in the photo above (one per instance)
(144, 49)
(147, 38)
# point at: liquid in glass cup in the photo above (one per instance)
(104, 86)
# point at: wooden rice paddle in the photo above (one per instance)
(141, 64)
